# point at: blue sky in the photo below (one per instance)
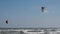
(27, 13)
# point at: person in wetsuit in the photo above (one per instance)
(42, 9)
(6, 21)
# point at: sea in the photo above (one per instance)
(29, 30)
